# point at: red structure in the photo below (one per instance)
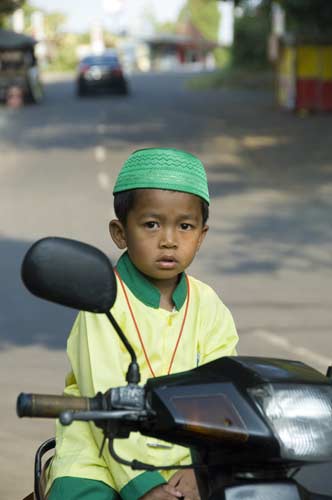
(305, 75)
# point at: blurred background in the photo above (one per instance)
(246, 86)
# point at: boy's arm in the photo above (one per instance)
(133, 485)
(219, 335)
(185, 482)
(77, 456)
(97, 364)
(164, 492)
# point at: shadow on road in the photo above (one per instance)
(25, 319)
(270, 176)
(293, 230)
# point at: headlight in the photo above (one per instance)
(301, 418)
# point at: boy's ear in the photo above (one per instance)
(118, 234)
(202, 237)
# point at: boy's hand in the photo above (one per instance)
(185, 481)
(163, 492)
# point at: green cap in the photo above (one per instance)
(163, 168)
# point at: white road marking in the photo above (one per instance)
(100, 154)
(11, 155)
(101, 128)
(301, 353)
(104, 181)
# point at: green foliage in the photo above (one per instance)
(3, 21)
(222, 57)
(28, 10)
(65, 60)
(6, 9)
(309, 17)
(251, 31)
(204, 16)
(65, 56)
(63, 46)
(250, 43)
(8, 6)
(54, 22)
(304, 17)
(167, 27)
(233, 77)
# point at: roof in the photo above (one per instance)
(12, 40)
(179, 40)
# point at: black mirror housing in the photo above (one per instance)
(70, 273)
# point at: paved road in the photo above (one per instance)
(268, 252)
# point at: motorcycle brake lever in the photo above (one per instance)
(67, 417)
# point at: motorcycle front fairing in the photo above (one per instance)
(224, 408)
(222, 411)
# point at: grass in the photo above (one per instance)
(234, 77)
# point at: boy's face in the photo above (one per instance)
(164, 230)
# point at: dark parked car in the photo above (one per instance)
(101, 72)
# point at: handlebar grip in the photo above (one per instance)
(47, 406)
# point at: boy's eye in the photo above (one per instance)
(185, 226)
(151, 224)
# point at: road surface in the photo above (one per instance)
(268, 252)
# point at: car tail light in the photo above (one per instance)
(117, 71)
(84, 68)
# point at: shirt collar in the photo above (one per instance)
(141, 287)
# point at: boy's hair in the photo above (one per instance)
(125, 201)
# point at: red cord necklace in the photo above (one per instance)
(139, 333)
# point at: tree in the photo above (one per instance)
(166, 27)
(53, 22)
(7, 7)
(308, 17)
(304, 18)
(204, 16)
(251, 34)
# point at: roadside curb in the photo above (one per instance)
(57, 77)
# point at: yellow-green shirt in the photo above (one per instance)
(99, 361)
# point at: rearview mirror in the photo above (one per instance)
(70, 273)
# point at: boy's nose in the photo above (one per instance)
(168, 239)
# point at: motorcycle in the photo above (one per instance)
(249, 422)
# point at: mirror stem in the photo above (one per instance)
(133, 375)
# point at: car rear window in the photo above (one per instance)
(101, 60)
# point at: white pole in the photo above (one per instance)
(226, 25)
(97, 38)
(38, 25)
(278, 19)
(18, 21)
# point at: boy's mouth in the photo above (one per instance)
(166, 262)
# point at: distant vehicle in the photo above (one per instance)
(101, 73)
(19, 66)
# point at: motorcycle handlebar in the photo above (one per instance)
(48, 406)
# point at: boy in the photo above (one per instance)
(174, 323)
